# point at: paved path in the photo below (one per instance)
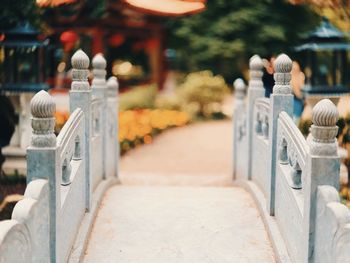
(163, 213)
(198, 154)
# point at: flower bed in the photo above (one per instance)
(140, 126)
(61, 119)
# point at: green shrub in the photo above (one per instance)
(167, 102)
(138, 98)
(304, 126)
(201, 92)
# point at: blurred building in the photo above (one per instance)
(129, 32)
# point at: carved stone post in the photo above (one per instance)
(280, 100)
(323, 166)
(112, 128)
(99, 90)
(42, 160)
(255, 90)
(238, 120)
(80, 97)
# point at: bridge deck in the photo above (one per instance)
(147, 220)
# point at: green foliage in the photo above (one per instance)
(304, 126)
(141, 97)
(14, 12)
(228, 32)
(202, 92)
(167, 102)
(343, 131)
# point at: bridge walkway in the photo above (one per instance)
(176, 203)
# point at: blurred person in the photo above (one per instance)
(7, 125)
(267, 77)
(297, 82)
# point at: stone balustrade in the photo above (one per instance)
(67, 175)
(294, 180)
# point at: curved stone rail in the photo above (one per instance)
(26, 237)
(293, 138)
(68, 175)
(295, 184)
(262, 110)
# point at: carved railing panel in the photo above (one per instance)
(61, 171)
(332, 236)
(292, 149)
(97, 168)
(260, 145)
(240, 146)
(112, 145)
(299, 177)
(261, 117)
(25, 238)
(70, 206)
(292, 153)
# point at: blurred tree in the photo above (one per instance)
(37, 12)
(14, 12)
(223, 37)
(338, 11)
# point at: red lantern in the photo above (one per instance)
(116, 40)
(68, 39)
(69, 36)
(152, 44)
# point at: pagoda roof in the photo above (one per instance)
(167, 7)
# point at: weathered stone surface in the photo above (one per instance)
(43, 122)
(332, 228)
(283, 67)
(302, 168)
(25, 238)
(178, 224)
(80, 62)
(47, 221)
(255, 90)
(112, 86)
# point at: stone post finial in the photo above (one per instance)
(80, 62)
(283, 67)
(256, 72)
(99, 62)
(324, 129)
(239, 88)
(112, 86)
(43, 122)
(99, 65)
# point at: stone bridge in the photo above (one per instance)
(280, 203)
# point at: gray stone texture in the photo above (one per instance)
(302, 175)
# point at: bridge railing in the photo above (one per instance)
(297, 178)
(66, 175)
(260, 142)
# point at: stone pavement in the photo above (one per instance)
(162, 211)
(198, 154)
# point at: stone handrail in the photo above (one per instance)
(260, 142)
(262, 109)
(67, 175)
(97, 143)
(292, 179)
(70, 145)
(291, 140)
(290, 166)
(26, 238)
(70, 182)
(333, 227)
(239, 125)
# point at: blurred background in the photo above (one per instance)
(175, 61)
